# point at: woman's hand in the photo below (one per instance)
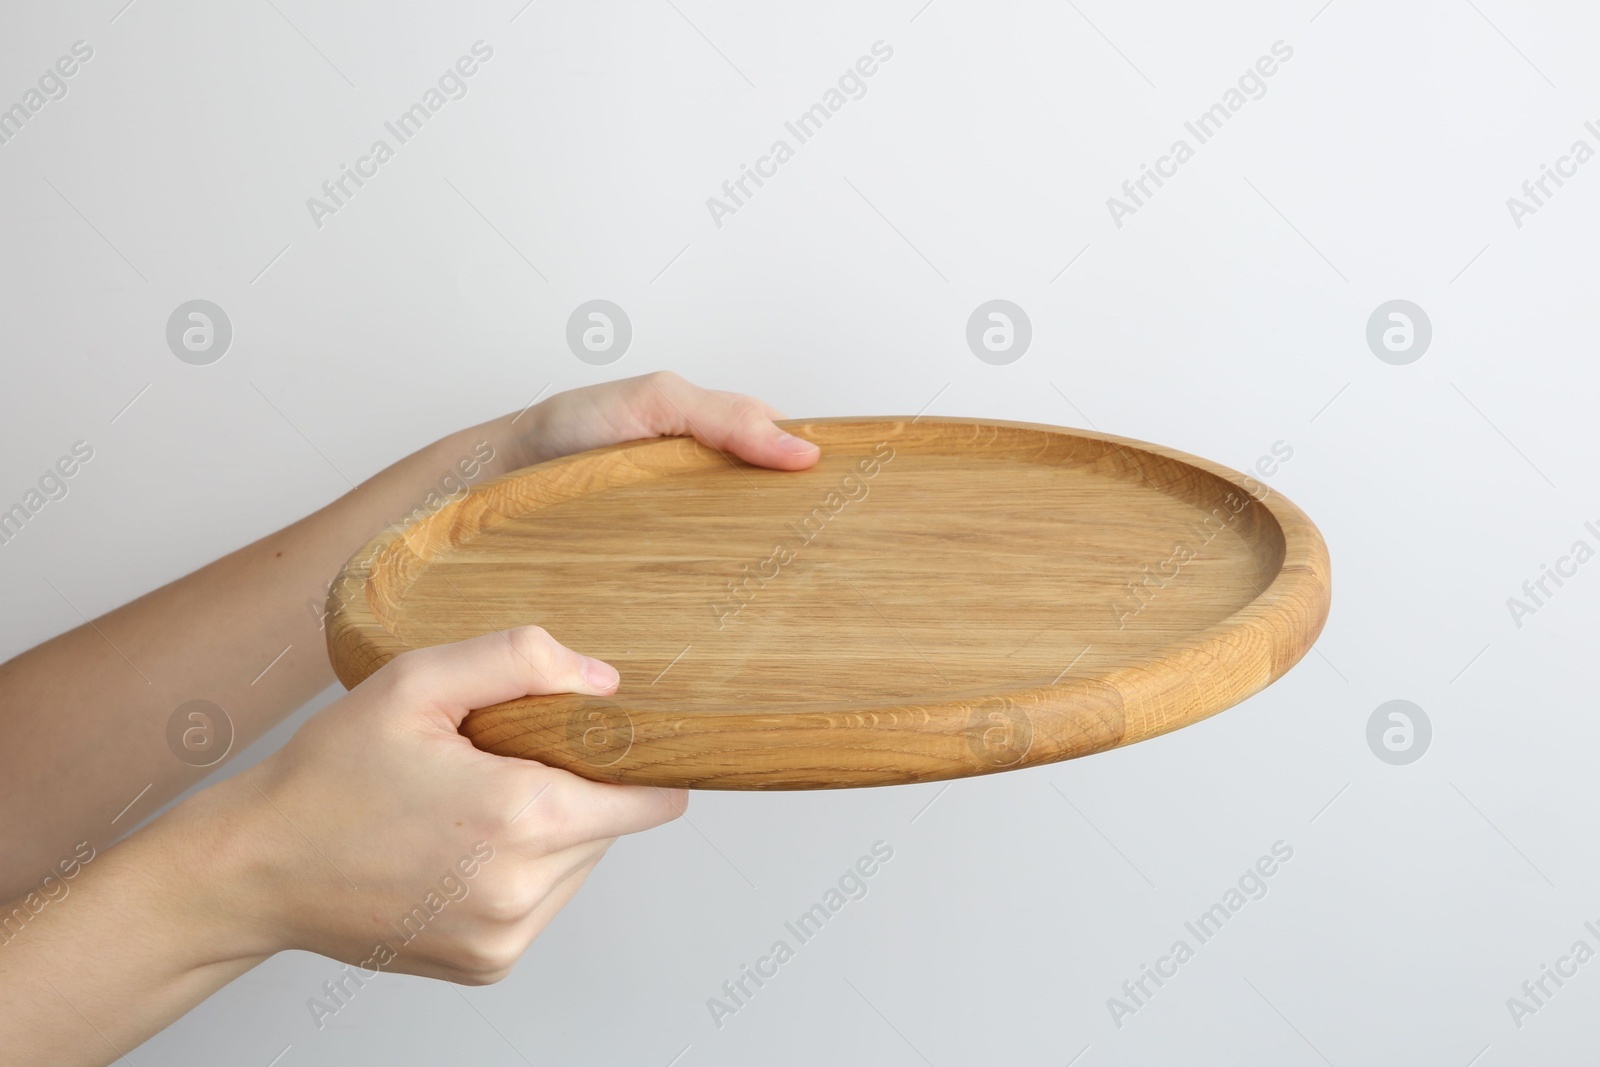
(653, 405)
(378, 836)
(378, 821)
(210, 633)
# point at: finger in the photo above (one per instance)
(504, 665)
(563, 810)
(771, 412)
(524, 931)
(731, 423)
(529, 928)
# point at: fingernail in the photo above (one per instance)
(790, 443)
(599, 675)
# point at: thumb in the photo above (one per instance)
(732, 423)
(751, 432)
(454, 679)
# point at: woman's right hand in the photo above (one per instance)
(381, 837)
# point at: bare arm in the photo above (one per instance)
(83, 717)
(378, 836)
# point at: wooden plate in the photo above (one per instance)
(937, 598)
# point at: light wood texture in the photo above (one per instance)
(938, 598)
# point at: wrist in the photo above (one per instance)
(150, 929)
(215, 861)
(514, 438)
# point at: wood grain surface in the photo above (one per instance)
(937, 598)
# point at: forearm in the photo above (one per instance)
(378, 837)
(93, 964)
(85, 714)
(330, 844)
(84, 717)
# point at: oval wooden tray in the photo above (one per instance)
(937, 598)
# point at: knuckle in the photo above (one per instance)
(472, 979)
(486, 959)
(677, 803)
(403, 674)
(529, 636)
(510, 900)
(500, 903)
(513, 810)
(746, 411)
(530, 643)
(557, 820)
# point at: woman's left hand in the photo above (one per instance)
(653, 405)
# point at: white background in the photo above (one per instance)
(1227, 314)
